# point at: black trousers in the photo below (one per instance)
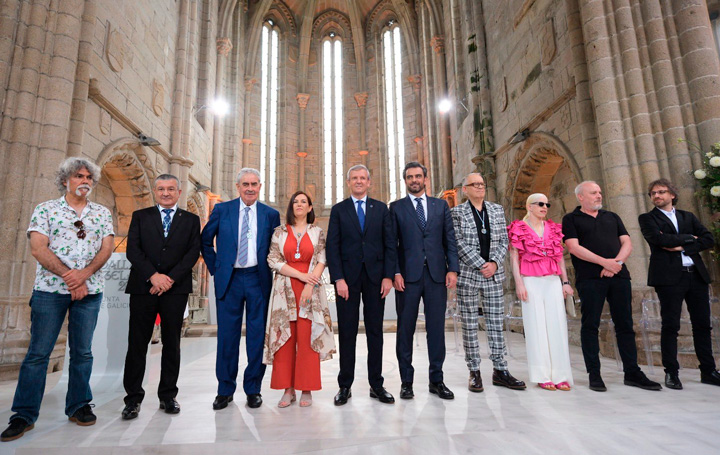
(348, 314)
(407, 304)
(618, 293)
(143, 312)
(693, 289)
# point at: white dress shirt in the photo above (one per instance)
(686, 260)
(252, 241)
(172, 214)
(364, 204)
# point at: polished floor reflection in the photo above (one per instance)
(498, 421)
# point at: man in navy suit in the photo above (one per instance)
(361, 250)
(678, 273)
(427, 265)
(242, 229)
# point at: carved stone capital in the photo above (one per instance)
(418, 140)
(224, 46)
(302, 154)
(249, 84)
(361, 98)
(438, 44)
(247, 141)
(302, 99)
(363, 152)
(416, 81)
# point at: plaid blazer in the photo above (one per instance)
(468, 242)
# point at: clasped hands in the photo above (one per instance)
(75, 280)
(160, 283)
(311, 281)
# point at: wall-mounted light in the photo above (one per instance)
(445, 106)
(147, 141)
(520, 136)
(218, 107)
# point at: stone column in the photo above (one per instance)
(361, 100)
(82, 79)
(440, 70)
(179, 110)
(700, 62)
(302, 100)
(246, 141)
(223, 50)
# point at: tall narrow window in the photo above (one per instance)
(269, 112)
(332, 120)
(392, 66)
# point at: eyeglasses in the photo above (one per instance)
(81, 233)
(477, 186)
(658, 192)
(541, 204)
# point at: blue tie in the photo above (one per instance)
(361, 215)
(420, 213)
(243, 247)
(166, 221)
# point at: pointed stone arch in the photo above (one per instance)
(543, 164)
(128, 173)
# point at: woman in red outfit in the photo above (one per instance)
(299, 330)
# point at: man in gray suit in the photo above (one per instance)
(482, 243)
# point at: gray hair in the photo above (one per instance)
(357, 167)
(579, 188)
(164, 177)
(464, 181)
(70, 167)
(247, 170)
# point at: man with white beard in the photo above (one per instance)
(71, 238)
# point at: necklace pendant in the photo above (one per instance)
(484, 231)
(297, 255)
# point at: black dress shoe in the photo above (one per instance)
(221, 401)
(342, 396)
(170, 406)
(254, 400)
(17, 428)
(406, 391)
(710, 378)
(672, 381)
(382, 395)
(505, 379)
(475, 382)
(596, 383)
(441, 390)
(131, 411)
(641, 381)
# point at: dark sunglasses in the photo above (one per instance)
(541, 204)
(81, 233)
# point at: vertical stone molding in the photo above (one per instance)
(224, 46)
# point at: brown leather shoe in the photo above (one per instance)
(475, 382)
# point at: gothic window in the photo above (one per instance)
(392, 69)
(269, 111)
(332, 121)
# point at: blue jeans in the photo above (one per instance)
(47, 316)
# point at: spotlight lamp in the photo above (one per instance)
(445, 105)
(147, 141)
(520, 136)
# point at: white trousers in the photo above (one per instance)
(546, 337)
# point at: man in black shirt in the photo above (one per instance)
(599, 245)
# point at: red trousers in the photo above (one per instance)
(296, 365)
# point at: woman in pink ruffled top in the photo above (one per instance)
(541, 283)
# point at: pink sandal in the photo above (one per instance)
(305, 400)
(547, 386)
(564, 386)
(286, 400)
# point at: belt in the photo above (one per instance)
(246, 269)
(688, 268)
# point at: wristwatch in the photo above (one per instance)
(620, 262)
(565, 282)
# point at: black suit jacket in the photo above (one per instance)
(436, 243)
(659, 232)
(149, 251)
(348, 247)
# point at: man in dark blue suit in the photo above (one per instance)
(360, 250)
(427, 266)
(242, 229)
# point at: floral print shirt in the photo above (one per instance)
(56, 220)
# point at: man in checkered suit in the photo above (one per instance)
(482, 243)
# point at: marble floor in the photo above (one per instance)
(498, 421)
